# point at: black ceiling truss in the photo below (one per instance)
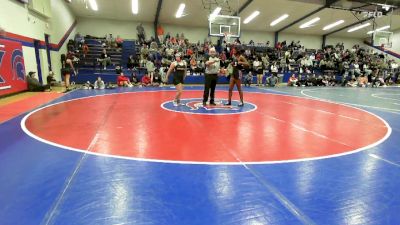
(328, 4)
(159, 4)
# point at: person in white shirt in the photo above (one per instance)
(274, 69)
(293, 81)
(258, 68)
(357, 70)
(211, 76)
(150, 68)
(99, 83)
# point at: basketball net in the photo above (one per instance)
(227, 37)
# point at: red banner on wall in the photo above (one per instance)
(12, 67)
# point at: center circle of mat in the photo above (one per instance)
(195, 106)
(133, 126)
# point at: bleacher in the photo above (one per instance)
(90, 68)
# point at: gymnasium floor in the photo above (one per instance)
(127, 156)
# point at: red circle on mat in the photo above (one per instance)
(134, 125)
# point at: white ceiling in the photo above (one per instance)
(197, 14)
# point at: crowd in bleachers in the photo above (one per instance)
(331, 66)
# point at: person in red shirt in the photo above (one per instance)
(146, 80)
(189, 52)
(292, 81)
(123, 81)
(119, 41)
(85, 49)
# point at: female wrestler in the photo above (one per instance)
(239, 62)
(67, 69)
(180, 68)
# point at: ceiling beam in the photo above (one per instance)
(328, 4)
(300, 19)
(156, 19)
(348, 26)
(158, 11)
(359, 7)
(244, 6)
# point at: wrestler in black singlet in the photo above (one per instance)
(179, 74)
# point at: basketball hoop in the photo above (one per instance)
(383, 39)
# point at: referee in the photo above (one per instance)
(211, 76)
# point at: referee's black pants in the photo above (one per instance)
(210, 83)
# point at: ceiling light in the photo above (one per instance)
(309, 23)
(383, 28)
(280, 19)
(327, 27)
(93, 5)
(386, 7)
(251, 17)
(135, 6)
(379, 29)
(180, 10)
(358, 27)
(215, 13)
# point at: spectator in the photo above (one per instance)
(131, 62)
(79, 40)
(71, 45)
(311, 80)
(99, 83)
(325, 81)
(85, 50)
(140, 33)
(258, 69)
(87, 85)
(163, 73)
(271, 81)
(144, 52)
(123, 81)
(157, 79)
(110, 40)
(134, 78)
(274, 69)
(146, 80)
(292, 81)
(248, 79)
(193, 65)
(150, 68)
(50, 79)
(34, 84)
(119, 41)
(362, 81)
(105, 59)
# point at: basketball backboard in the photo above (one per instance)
(383, 39)
(221, 25)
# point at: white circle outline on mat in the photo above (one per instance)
(239, 163)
